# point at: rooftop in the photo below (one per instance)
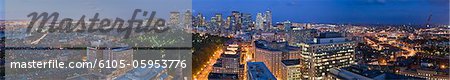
(274, 46)
(362, 72)
(230, 55)
(330, 35)
(291, 62)
(259, 71)
(222, 76)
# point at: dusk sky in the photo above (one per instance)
(316, 11)
(2, 10)
(335, 11)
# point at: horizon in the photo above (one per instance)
(360, 12)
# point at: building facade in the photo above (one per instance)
(291, 69)
(329, 50)
(272, 53)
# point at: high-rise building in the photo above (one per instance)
(187, 20)
(329, 50)
(219, 19)
(199, 20)
(228, 24)
(213, 20)
(272, 53)
(246, 20)
(259, 23)
(236, 21)
(212, 25)
(174, 19)
(268, 19)
(258, 71)
(291, 69)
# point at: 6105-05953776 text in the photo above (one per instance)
(102, 64)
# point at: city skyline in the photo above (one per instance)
(225, 40)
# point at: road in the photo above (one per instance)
(203, 74)
(411, 52)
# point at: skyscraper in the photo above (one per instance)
(199, 20)
(236, 21)
(268, 19)
(246, 20)
(259, 21)
(187, 20)
(174, 19)
(228, 22)
(219, 19)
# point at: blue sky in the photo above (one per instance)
(335, 11)
(2, 10)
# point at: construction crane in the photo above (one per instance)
(428, 20)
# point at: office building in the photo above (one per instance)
(259, 23)
(174, 19)
(272, 53)
(291, 69)
(219, 19)
(246, 21)
(329, 50)
(268, 19)
(187, 20)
